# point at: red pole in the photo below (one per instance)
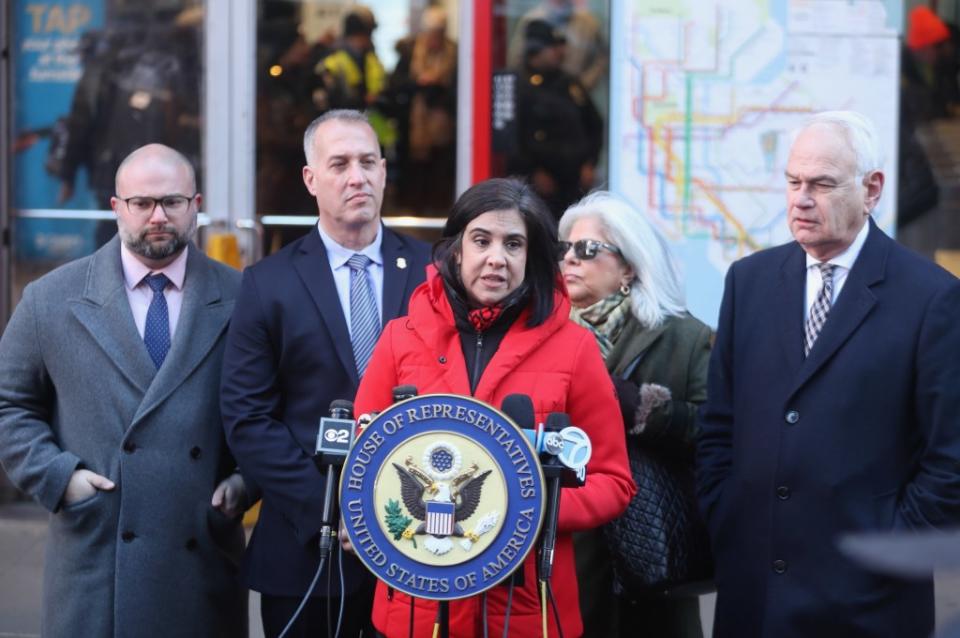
(482, 88)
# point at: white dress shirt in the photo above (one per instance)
(843, 262)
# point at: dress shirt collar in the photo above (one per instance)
(849, 256)
(135, 270)
(338, 254)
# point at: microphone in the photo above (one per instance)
(403, 392)
(334, 439)
(559, 439)
(569, 445)
(336, 434)
(519, 407)
(553, 471)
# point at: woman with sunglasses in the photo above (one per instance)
(491, 320)
(624, 287)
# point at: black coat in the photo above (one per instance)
(862, 435)
(288, 356)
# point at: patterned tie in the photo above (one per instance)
(820, 308)
(364, 316)
(156, 332)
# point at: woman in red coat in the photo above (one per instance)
(492, 320)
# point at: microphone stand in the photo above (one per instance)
(552, 471)
(444, 619)
(329, 512)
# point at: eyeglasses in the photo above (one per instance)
(585, 249)
(172, 205)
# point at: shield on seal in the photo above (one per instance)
(440, 518)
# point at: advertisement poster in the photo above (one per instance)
(47, 50)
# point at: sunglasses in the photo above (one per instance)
(585, 249)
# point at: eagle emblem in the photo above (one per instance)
(441, 498)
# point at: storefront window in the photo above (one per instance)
(93, 80)
(551, 88)
(395, 60)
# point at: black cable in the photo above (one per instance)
(553, 604)
(506, 616)
(343, 591)
(329, 603)
(410, 635)
(483, 613)
(306, 597)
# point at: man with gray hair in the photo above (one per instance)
(109, 418)
(303, 330)
(833, 406)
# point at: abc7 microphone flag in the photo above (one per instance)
(442, 496)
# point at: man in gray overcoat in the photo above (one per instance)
(110, 419)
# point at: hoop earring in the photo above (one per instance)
(624, 289)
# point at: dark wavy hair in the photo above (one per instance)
(542, 271)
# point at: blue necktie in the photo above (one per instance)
(364, 316)
(156, 332)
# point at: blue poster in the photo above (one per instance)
(47, 64)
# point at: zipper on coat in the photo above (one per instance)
(475, 377)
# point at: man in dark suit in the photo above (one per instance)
(109, 418)
(305, 323)
(833, 406)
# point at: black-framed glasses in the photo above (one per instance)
(585, 249)
(172, 205)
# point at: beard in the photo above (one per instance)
(154, 249)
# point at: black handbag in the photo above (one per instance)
(660, 546)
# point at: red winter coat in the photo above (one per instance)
(559, 366)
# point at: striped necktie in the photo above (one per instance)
(364, 316)
(820, 308)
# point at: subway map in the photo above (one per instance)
(711, 90)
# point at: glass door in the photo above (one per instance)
(545, 76)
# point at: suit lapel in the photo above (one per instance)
(104, 311)
(203, 318)
(397, 264)
(854, 303)
(313, 267)
(788, 316)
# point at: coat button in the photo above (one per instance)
(128, 536)
(779, 566)
(191, 544)
(129, 447)
(792, 417)
(783, 492)
(442, 359)
(195, 452)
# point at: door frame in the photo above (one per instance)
(6, 232)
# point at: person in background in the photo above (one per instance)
(625, 289)
(559, 130)
(300, 338)
(585, 56)
(833, 406)
(930, 64)
(433, 74)
(352, 77)
(109, 418)
(494, 306)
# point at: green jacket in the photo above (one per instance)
(674, 355)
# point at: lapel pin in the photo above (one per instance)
(401, 263)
